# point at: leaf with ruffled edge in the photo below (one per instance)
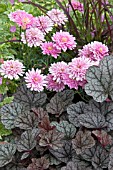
(51, 139)
(110, 165)
(27, 142)
(81, 163)
(70, 166)
(100, 159)
(28, 98)
(7, 152)
(92, 117)
(26, 120)
(82, 141)
(52, 159)
(100, 80)
(74, 110)
(39, 164)
(66, 128)
(89, 153)
(66, 96)
(56, 106)
(9, 113)
(64, 153)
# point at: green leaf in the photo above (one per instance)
(4, 131)
(6, 100)
(3, 8)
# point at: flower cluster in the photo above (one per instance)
(32, 36)
(58, 17)
(49, 48)
(60, 74)
(43, 23)
(35, 80)
(22, 18)
(12, 69)
(71, 74)
(37, 27)
(95, 51)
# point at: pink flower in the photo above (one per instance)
(94, 51)
(58, 70)
(71, 83)
(12, 69)
(22, 18)
(75, 75)
(35, 80)
(32, 36)
(12, 29)
(99, 50)
(43, 23)
(0, 80)
(77, 5)
(78, 67)
(52, 85)
(64, 40)
(57, 16)
(12, 2)
(49, 48)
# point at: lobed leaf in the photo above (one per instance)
(27, 141)
(9, 113)
(26, 120)
(38, 164)
(7, 152)
(67, 129)
(64, 153)
(100, 159)
(51, 139)
(100, 80)
(74, 110)
(28, 98)
(82, 141)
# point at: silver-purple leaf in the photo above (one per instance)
(110, 165)
(56, 106)
(27, 141)
(100, 80)
(89, 153)
(70, 166)
(66, 128)
(39, 164)
(74, 110)
(28, 98)
(92, 119)
(83, 164)
(100, 159)
(51, 139)
(66, 96)
(9, 113)
(26, 120)
(64, 153)
(52, 159)
(7, 152)
(82, 141)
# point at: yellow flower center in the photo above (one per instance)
(50, 48)
(64, 39)
(100, 49)
(11, 66)
(35, 79)
(26, 20)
